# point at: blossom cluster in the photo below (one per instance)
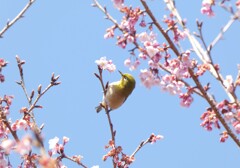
(177, 75)
(231, 113)
(105, 64)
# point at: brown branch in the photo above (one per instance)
(73, 160)
(159, 27)
(20, 15)
(14, 133)
(212, 103)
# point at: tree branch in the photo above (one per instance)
(20, 15)
(211, 102)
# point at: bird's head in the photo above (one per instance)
(128, 82)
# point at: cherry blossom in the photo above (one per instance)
(228, 83)
(207, 7)
(105, 64)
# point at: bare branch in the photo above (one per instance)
(220, 35)
(20, 15)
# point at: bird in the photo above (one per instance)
(117, 92)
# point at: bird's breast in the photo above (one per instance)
(114, 96)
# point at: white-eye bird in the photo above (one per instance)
(118, 92)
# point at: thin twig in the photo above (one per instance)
(38, 97)
(20, 15)
(73, 160)
(108, 16)
(199, 25)
(22, 83)
(220, 35)
(107, 110)
(35, 128)
(139, 147)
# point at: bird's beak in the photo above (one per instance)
(120, 73)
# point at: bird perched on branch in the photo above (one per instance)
(117, 92)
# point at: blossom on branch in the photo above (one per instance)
(105, 64)
(207, 7)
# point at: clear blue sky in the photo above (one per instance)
(66, 37)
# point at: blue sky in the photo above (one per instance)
(66, 37)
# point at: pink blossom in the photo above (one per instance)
(153, 138)
(24, 145)
(130, 39)
(78, 158)
(105, 64)
(45, 161)
(222, 104)
(152, 51)
(118, 3)
(148, 79)
(178, 35)
(153, 36)
(8, 99)
(7, 145)
(65, 140)
(224, 136)
(236, 126)
(152, 64)
(143, 56)
(186, 99)
(121, 42)
(170, 84)
(109, 33)
(135, 65)
(23, 110)
(127, 62)
(228, 83)
(179, 68)
(228, 116)
(207, 7)
(3, 63)
(20, 124)
(209, 119)
(202, 68)
(143, 37)
(53, 145)
(238, 3)
(3, 160)
(132, 66)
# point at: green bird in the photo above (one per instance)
(118, 92)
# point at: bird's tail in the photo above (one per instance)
(98, 108)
